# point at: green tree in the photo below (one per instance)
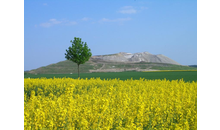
(78, 52)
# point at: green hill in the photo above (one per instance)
(118, 62)
(65, 67)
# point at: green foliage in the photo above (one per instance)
(79, 52)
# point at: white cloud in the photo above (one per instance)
(46, 25)
(115, 20)
(50, 23)
(53, 22)
(45, 4)
(127, 10)
(105, 20)
(85, 19)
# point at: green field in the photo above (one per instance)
(187, 76)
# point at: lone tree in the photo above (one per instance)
(78, 52)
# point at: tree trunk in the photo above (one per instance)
(78, 70)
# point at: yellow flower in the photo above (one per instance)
(67, 103)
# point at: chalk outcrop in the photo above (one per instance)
(135, 57)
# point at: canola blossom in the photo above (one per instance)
(95, 104)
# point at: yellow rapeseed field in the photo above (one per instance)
(95, 104)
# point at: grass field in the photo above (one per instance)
(187, 76)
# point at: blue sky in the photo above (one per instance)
(155, 26)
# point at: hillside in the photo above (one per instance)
(115, 63)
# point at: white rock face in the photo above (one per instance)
(136, 57)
